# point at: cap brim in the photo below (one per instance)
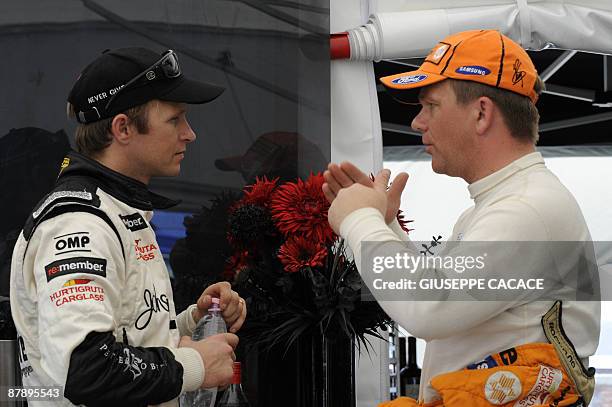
(404, 87)
(192, 92)
(229, 163)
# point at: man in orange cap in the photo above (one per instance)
(478, 119)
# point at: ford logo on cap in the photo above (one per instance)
(473, 70)
(404, 80)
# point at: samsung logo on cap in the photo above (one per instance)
(403, 80)
(473, 70)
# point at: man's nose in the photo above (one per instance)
(188, 134)
(418, 123)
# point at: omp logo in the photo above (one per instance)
(502, 387)
(134, 222)
(88, 265)
(473, 70)
(404, 80)
(72, 242)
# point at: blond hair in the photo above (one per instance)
(91, 138)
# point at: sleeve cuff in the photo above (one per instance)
(359, 220)
(185, 322)
(193, 368)
(397, 229)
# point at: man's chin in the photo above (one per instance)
(169, 172)
(436, 167)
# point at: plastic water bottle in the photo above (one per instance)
(209, 325)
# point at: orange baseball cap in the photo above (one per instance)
(484, 56)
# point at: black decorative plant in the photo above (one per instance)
(275, 246)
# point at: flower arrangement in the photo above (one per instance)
(281, 255)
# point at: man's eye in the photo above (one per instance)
(429, 105)
(174, 120)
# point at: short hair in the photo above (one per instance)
(92, 138)
(519, 113)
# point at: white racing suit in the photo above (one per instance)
(91, 296)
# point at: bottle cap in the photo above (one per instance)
(215, 304)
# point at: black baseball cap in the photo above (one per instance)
(123, 78)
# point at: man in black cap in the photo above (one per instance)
(90, 293)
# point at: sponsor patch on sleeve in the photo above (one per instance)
(77, 290)
(502, 387)
(548, 381)
(145, 251)
(72, 242)
(134, 222)
(88, 265)
(488, 363)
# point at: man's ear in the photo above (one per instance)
(121, 129)
(485, 109)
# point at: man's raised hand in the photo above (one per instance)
(346, 174)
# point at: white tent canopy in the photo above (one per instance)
(579, 25)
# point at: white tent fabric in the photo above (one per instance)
(355, 120)
(402, 32)
(356, 136)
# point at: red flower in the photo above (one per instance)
(300, 208)
(235, 264)
(259, 193)
(403, 222)
(298, 253)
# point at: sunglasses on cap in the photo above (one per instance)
(167, 67)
